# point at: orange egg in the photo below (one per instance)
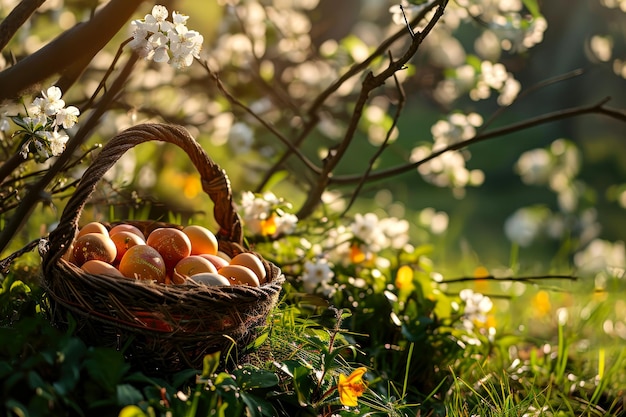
(127, 228)
(202, 240)
(215, 260)
(194, 264)
(239, 275)
(97, 267)
(254, 263)
(208, 278)
(93, 246)
(123, 241)
(143, 262)
(172, 244)
(93, 227)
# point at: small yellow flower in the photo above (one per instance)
(356, 254)
(541, 304)
(404, 278)
(480, 273)
(132, 411)
(351, 387)
(268, 226)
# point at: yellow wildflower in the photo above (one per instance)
(268, 226)
(541, 303)
(356, 254)
(404, 278)
(351, 387)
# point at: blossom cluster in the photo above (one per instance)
(359, 243)
(44, 124)
(448, 169)
(159, 40)
(265, 215)
(477, 317)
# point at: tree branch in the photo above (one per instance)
(598, 108)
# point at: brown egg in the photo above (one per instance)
(208, 278)
(239, 275)
(94, 246)
(172, 244)
(254, 263)
(203, 241)
(127, 228)
(93, 227)
(215, 260)
(194, 264)
(97, 267)
(124, 240)
(143, 262)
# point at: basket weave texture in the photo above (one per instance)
(160, 328)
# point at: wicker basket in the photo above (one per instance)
(160, 328)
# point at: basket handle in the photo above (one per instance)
(214, 182)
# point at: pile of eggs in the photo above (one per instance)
(166, 255)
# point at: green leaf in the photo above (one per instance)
(303, 385)
(258, 407)
(210, 364)
(106, 367)
(249, 377)
(532, 7)
(127, 394)
(259, 341)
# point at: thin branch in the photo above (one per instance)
(530, 278)
(383, 146)
(233, 100)
(528, 91)
(598, 108)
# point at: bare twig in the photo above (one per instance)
(530, 278)
(561, 77)
(597, 108)
(383, 146)
(310, 165)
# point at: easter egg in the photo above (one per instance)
(93, 227)
(124, 240)
(143, 262)
(93, 246)
(123, 227)
(250, 261)
(209, 278)
(171, 243)
(202, 240)
(239, 275)
(97, 267)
